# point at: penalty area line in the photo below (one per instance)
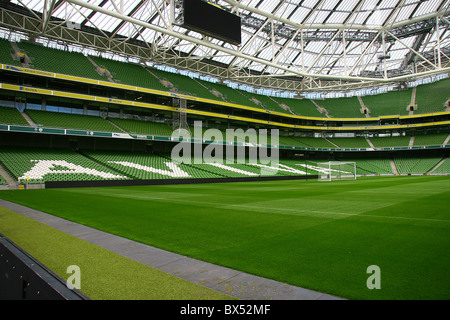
(273, 210)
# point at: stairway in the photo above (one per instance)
(413, 100)
(283, 106)
(12, 183)
(438, 165)
(446, 140)
(334, 144)
(25, 61)
(166, 83)
(100, 71)
(321, 109)
(214, 92)
(394, 167)
(361, 102)
(29, 120)
(411, 141)
(115, 125)
(370, 142)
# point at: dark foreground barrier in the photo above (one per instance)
(24, 278)
(122, 183)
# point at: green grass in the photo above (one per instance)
(316, 235)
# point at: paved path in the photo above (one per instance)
(231, 282)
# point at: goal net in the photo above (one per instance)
(336, 170)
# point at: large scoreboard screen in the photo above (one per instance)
(211, 20)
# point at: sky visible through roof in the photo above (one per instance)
(290, 46)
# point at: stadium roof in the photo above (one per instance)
(286, 44)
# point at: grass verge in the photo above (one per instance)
(104, 274)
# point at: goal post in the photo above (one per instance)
(336, 170)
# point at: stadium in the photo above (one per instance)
(191, 150)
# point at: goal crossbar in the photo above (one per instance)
(336, 170)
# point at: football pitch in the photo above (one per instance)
(324, 236)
